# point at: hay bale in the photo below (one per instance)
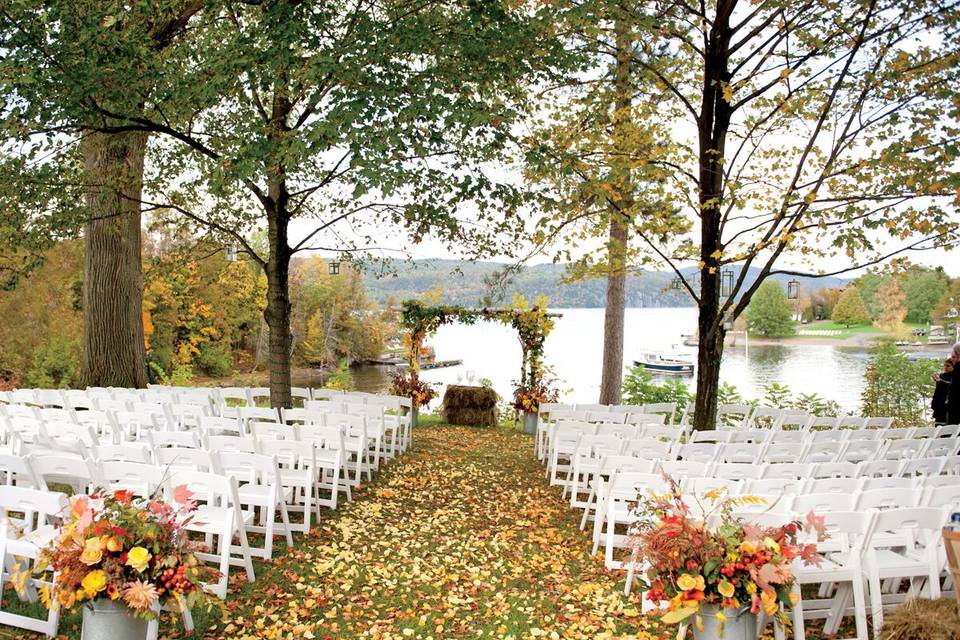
(471, 406)
(922, 619)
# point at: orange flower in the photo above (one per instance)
(140, 595)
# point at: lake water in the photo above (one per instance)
(574, 351)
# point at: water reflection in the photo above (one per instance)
(574, 351)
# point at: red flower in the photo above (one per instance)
(123, 496)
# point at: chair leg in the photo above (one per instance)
(586, 512)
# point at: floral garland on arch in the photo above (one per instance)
(532, 323)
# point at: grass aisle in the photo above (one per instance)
(461, 537)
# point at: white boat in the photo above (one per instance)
(673, 364)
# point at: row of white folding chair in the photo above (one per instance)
(822, 451)
(547, 434)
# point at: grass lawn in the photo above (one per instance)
(849, 332)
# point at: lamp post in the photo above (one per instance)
(793, 293)
(230, 252)
(333, 266)
(726, 283)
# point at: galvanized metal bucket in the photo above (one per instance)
(738, 626)
(105, 619)
(530, 422)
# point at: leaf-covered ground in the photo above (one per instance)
(461, 537)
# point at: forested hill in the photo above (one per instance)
(463, 282)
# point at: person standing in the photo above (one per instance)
(953, 394)
(941, 394)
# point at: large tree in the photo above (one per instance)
(590, 158)
(769, 313)
(357, 117)
(811, 130)
(72, 168)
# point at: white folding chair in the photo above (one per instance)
(839, 571)
(298, 475)
(79, 474)
(329, 462)
(221, 426)
(737, 471)
(218, 516)
(261, 487)
(887, 498)
(733, 415)
(181, 458)
(902, 543)
(787, 471)
(141, 479)
(743, 453)
(20, 545)
(131, 452)
(274, 431)
(782, 452)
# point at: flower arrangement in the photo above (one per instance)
(737, 566)
(419, 391)
(120, 547)
(528, 398)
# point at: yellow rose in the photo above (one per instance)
(686, 582)
(700, 584)
(771, 544)
(769, 601)
(138, 557)
(748, 547)
(726, 589)
(94, 582)
(92, 552)
(114, 544)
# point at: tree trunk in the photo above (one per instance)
(114, 353)
(712, 127)
(611, 379)
(710, 351)
(277, 312)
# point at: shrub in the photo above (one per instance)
(214, 358)
(898, 387)
(639, 388)
(55, 363)
(341, 379)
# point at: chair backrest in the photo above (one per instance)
(741, 452)
(612, 464)
(941, 497)
(65, 469)
(214, 488)
(236, 396)
(260, 395)
(782, 452)
(942, 447)
(666, 409)
(876, 484)
(274, 430)
(598, 446)
(922, 467)
(258, 414)
(17, 470)
(670, 434)
(251, 468)
(834, 485)
(733, 414)
(615, 417)
(737, 471)
(142, 479)
(588, 407)
(705, 453)
(906, 449)
(352, 425)
(818, 452)
(877, 423)
(924, 432)
(322, 436)
(290, 454)
(326, 394)
(220, 444)
(861, 450)
(547, 408)
(625, 431)
(875, 468)
(649, 449)
(765, 417)
(179, 439)
(947, 431)
(132, 452)
(834, 435)
(45, 504)
(754, 436)
(216, 425)
(710, 435)
(823, 423)
(774, 486)
(182, 458)
(678, 469)
(835, 470)
(567, 414)
(645, 419)
(55, 414)
(912, 525)
(301, 416)
(700, 486)
(823, 502)
(788, 470)
(896, 433)
(851, 422)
